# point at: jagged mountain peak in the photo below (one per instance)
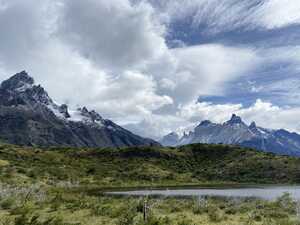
(235, 120)
(92, 115)
(20, 89)
(253, 126)
(18, 81)
(23, 76)
(236, 132)
(28, 116)
(205, 123)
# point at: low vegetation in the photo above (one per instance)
(64, 186)
(107, 168)
(65, 207)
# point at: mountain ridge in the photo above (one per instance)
(28, 116)
(236, 132)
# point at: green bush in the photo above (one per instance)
(127, 217)
(8, 203)
(99, 210)
(185, 221)
(215, 214)
(152, 220)
(4, 220)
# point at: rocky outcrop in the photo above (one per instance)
(28, 116)
(236, 132)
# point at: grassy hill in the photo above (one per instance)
(63, 186)
(157, 166)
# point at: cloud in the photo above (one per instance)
(22, 29)
(203, 70)
(131, 96)
(265, 114)
(226, 15)
(112, 56)
(156, 126)
(196, 112)
(113, 34)
(73, 79)
(83, 70)
(187, 72)
(279, 13)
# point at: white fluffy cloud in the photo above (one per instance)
(112, 56)
(265, 114)
(114, 34)
(279, 13)
(121, 66)
(187, 72)
(156, 126)
(73, 79)
(203, 70)
(82, 57)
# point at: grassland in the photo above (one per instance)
(60, 186)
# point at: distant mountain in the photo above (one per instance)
(171, 139)
(236, 132)
(28, 116)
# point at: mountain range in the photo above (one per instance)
(236, 132)
(28, 116)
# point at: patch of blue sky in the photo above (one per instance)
(185, 32)
(262, 83)
(279, 86)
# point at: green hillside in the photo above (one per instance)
(65, 186)
(188, 165)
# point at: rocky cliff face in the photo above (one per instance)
(28, 116)
(236, 132)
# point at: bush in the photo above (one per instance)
(127, 217)
(152, 220)
(7, 203)
(27, 219)
(185, 221)
(231, 210)
(100, 210)
(215, 214)
(287, 203)
(6, 221)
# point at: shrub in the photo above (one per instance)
(215, 214)
(7, 203)
(152, 220)
(99, 210)
(287, 203)
(6, 221)
(127, 217)
(185, 221)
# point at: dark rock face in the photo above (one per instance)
(28, 116)
(236, 132)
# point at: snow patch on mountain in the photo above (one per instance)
(44, 122)
(236, 132)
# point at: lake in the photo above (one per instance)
(264, 192)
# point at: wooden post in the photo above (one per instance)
(145, 210)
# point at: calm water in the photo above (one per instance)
(268, 192)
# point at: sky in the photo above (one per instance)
(156, 66)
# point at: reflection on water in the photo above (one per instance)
(268, 193)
